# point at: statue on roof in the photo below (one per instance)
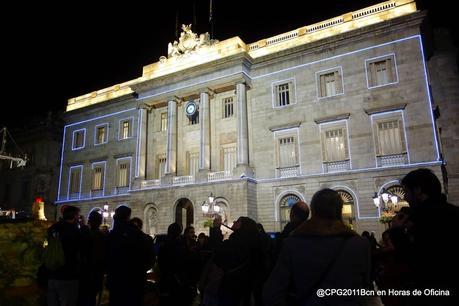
(188, 42)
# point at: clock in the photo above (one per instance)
(190, 108)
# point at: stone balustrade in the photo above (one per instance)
(337, 166)
(182, 180)
(218, 176)
(288, 171)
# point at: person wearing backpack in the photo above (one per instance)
(64, 273)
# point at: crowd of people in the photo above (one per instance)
(315, 250)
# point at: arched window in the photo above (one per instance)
(348, 206)
(285, 204)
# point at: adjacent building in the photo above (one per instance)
(39, 140)
(343, 104)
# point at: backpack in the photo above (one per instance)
(54, 257)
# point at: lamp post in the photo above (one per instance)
(210, 208)
(107, 213)
(387, 203)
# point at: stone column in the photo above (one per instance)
(142, 144)
(171, 147)
(242, 167)
(204, 122)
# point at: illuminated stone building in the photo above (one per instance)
(343, 104)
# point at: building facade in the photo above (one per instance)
(342, 104)
(19, 186)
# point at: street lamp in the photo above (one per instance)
(210, 208)
(387, 203)
(107, 213)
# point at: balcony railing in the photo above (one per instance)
(74, 196)
(121, 190)
(392, 160)
(218, 176)
(291, 171)
(181, 180)
(336, 166)
(150, 184)
(96, 193)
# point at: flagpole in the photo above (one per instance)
(211, 20)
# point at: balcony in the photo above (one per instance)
(183, 180)
(97, 193)
(291, 171)
(392, 160)
(218, 176)
(150, 183)
(122, 190)
(74, 196)
(337, 166)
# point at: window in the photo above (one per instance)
(335, 145)
(193, 163)
(101, 134)
(75, 180)
(228, 107)
(288, 164)
(287, 152)
(229, 158)
(284, 93)
(286, 203)
(381, 71)
(389, 136)
(125, 129)
(123, 173)
(163, 121)
(98, 176)
(161, 166)
(330, 83)
(78, 139)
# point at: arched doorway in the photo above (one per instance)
(151, 220)
(285, 203)
(184, 214)
(98, 209)
(348, 213)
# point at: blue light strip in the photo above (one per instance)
(139, 134)
(334, 57)
(63, 141)
(428, 96)
(73, 139)
(60, 171)
(100, 117)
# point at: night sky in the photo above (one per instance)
(55, 51)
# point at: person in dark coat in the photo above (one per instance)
(94, 255)
(299, 212)
(128, 261)
(64, 281)
(322, 253)
(240, 257)
(173, 280)
(434, 229)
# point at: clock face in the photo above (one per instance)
(190, 108)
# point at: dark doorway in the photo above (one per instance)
(184, 214)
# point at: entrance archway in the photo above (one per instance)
(184, 214)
